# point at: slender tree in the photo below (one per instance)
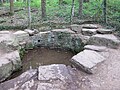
(60, 2)
(105, 10)
(1, 2)
(86, 0)
(43, 8)
(72, 11)
(80, 11)
(29, 14)
(11, 7)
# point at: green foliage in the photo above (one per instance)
(91, 10)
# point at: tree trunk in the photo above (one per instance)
(1, 2)
(105, 10)
(86, 0)
(80, 8)
(60, 2)
(43, 8)
(11, 7)
(72, 11)
(29, 14)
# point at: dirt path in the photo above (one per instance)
(107, 76)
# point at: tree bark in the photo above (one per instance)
(1, 2)
(86, 0)
(60, 2)
(80, 8)
(11, 7)
(72, 11)
(43, 8)
(105, 10)
(29, 14)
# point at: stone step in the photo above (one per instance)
(108, 40)
(76, 28)
(90, 26)
(87, 60)
(105, 31)
(95, 48)
(89, 32)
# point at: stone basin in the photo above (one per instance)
(12, 43)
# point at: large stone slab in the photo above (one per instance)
(88, 32)
(108, 40)
(10, 62)
(53, 72)
(87, 60)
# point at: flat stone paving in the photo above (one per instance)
(87, 60)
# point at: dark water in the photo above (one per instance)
(43, 56)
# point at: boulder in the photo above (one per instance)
(84, 39)
(21, 36)
(95, 48)
(76, 28)
(10, 62)
(7, 41)
(108, 40)
(88, 32)
(87, 60)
